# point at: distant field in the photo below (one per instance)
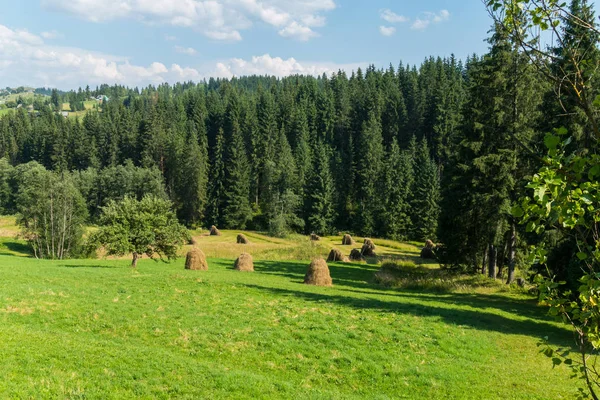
(98, 329)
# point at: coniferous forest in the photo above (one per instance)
(440, 151)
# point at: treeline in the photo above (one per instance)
(354, 153)
(439, 151)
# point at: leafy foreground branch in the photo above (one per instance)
(565, 193)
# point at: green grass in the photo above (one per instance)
(97, 329)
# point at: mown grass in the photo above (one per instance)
(98, 329)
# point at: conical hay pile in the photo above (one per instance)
(347, 240)
(214, 231)
(356, 255)
(242, 239)
(336, 255)
(368, 248)
(314, 237)
(196, 260)
(318, 273)
(244, 263)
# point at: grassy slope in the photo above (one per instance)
(98, 329)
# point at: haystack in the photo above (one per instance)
(314, 237)
(196, 260)
(318, 273)
(244, 263)
(368, 248)
(336, 255)
(347, 240)
(242, 239)
(428, 253)
(214, 231)
(192, 241)
(356, 255)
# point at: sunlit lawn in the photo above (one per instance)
(98, 329)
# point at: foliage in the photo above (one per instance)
(53, 222)
(565, 193)
(147, 226)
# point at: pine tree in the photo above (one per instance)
(396, 189)
(425, 194)
(216, 182)
(192, 178)
(318, 201)
(236, 211)
(369, 166)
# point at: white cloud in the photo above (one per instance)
(392, 17)
(53, 34)
(186, 50)
(26, 60)
(443, 15)
(217, 19)
(420, 24)
(170, 38)
(429, 18)
(276, 66)
(298, 31)
(387, 30)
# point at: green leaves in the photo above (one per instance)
(551, 141)
(146, 227)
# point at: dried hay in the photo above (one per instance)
(318, 273)
(242, 239)
(428, 253)
(347, 240)
(336, 255)
(356, 255)
(244, 263)
(196, 260)
(368, 248)
(214, 231)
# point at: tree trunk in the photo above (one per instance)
(484, 262)
(502, 259)
(492, 255)
(135, 260)
(512, 251)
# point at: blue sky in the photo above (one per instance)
(67, 43)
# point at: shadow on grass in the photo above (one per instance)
(475, 319)
(522, 307)
(88, 266)
(344, 274)
(16, 247)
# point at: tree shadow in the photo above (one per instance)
(345, 274)
(475, 319)
(94, 266)
(523, 307)
(16, 247)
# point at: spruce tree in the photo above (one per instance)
(192, 178)
(425, 194)
(318, 201)
(216, 182)
(369, 166)
(236, 210)
(396, 187)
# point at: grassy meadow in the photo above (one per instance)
(97, 329)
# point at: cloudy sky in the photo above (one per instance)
(68, 43)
